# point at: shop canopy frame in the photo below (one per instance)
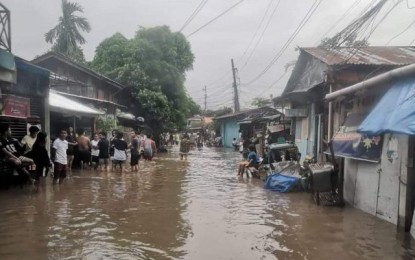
(61, 104)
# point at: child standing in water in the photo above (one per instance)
(184, 147)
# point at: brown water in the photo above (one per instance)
(173, 209)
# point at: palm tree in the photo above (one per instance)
(67, 34)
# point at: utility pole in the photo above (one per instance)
(205, 89)
(235, 89)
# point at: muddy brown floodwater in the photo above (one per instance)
(173, 209)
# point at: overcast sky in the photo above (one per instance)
(214, 46)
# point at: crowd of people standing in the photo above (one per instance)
(29, 159)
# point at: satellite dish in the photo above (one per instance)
(140, 119)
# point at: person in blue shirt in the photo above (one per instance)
(251, 162)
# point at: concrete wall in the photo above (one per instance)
(375, 187)
(305, 132)
(229, 130)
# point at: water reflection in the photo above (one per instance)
(174, 209)
(98, 215)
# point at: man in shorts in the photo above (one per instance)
(184, 147)
(95, 151)
(84, 147)
(104, 147)
(59, 157)
(120, 147)
(134, 148)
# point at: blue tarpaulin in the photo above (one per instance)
(395, 112)
(281, 183)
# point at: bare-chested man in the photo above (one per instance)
(84, 148)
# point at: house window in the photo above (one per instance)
(91, 92)
(75, 90)
(101, 94)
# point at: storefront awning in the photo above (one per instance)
(395, 112)
(61, 104)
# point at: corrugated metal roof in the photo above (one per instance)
(372, 55)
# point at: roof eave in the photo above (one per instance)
(62, 58)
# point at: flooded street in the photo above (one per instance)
(197, 209)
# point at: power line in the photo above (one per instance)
(305, 19)
(356, 3)
(273, 83)
(193, 15)
(229, 73)
(261, 36)
(377, 8)
(214, 19)
(402, 32)
(257, 30)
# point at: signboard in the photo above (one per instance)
(348, 143)
(295, 112)
(358, 146)
(278, 128)
(16, 106)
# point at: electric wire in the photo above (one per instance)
(261, 36)
(256, 30)
(193, 15)
(402, 32)
(214, 19)
(356, 3)
(374, 27)
(305, 19)
(229, 73)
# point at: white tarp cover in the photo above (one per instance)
(59, 103)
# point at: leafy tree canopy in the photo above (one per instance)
(66, 36)
(259, 102)
(153, 63)
(219, 112)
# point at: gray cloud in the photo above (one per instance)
(213, 46)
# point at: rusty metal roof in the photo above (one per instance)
(372, 55)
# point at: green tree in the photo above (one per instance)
(105, 124)
(219, 112)
(66, 35)
(153, 63)
(259, 102)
